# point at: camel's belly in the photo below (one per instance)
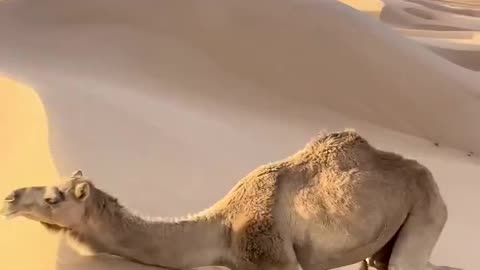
(340, 220)
(338, 241)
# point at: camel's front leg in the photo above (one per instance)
(419, 235)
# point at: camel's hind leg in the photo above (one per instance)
(419, 234)
(380, 259)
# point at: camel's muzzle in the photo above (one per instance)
(8, 208)
(11, 197)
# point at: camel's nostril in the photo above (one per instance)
(11, 198)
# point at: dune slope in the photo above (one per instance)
(25, 160)
(217, 46)
(168, 104)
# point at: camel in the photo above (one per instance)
(335, 202)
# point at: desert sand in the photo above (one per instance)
(168, 104)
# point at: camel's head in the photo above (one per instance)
(63, 205)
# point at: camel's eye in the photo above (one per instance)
(57, 197)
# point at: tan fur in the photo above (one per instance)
(335, 202)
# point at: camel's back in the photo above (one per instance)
(340, 171)
(335, 171)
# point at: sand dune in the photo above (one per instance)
(444, 27)
(426, 15)
(466, 59)
(444, 7)
(168, 104)
(24, 161)
(215, 47)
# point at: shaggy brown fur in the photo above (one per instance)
(335, 202)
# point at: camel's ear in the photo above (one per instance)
(82, 191)
(77, 174)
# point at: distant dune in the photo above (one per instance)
(437, 24)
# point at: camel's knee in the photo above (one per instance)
(433, 205)
(443, 212)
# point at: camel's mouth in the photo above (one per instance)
(11, 197)
(8, 214)
(11, 215)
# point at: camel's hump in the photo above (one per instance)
(325, 139)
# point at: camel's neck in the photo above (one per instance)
(186, 243)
